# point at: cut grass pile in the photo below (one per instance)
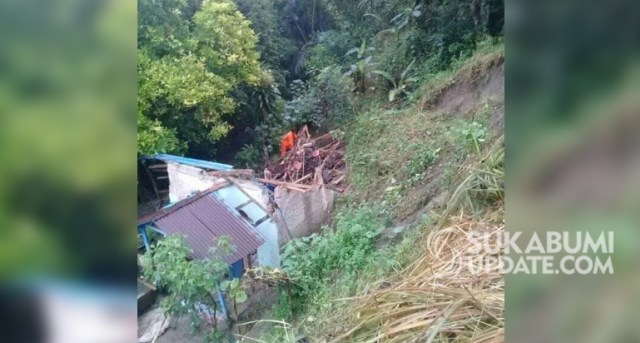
(439, 298)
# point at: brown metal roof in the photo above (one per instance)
(203, 219)
(149, 218)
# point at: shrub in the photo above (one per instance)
(311, 260)
(190, 283)
(324, 103)
(472, 134)
(250, 156)
(329, 51)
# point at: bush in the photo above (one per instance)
(250, 156)
(324, 103)
(471, 134)
(329, 51)
(311, 260)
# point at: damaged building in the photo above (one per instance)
(190, 189)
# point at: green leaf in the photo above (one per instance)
(241, 297)
(352, 51)
(385, 75)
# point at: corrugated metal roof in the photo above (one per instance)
(203, 219)
(191, 162)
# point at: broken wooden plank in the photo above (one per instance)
(304, 178)
(282, 183)
(295, 189)
(323, 140)
(338, 180)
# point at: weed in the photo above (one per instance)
(471, 134)
(424, 158)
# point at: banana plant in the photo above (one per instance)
(401, 85)
(402, 19)
(359, 70)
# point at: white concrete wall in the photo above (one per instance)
(186, 180)
(304, 213)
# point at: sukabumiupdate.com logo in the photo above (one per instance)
(552, 252)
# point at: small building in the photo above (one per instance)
(295, 215)
(178, 178)
(203, 219)
(277, 216)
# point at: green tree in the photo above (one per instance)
(277, 49)
(154, 138)
(190, 59)
(191, 284)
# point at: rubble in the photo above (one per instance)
(312, 162)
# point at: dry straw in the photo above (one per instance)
(439, 299)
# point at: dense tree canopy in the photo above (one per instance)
(187, 67)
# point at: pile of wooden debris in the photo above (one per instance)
(312, 162)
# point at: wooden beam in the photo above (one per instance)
(282, 183)
(296, 189)
(303, 178)
(232, 173)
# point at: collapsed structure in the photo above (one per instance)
(293, 201)
(311, 162)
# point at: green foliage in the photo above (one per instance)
(330, 49)
(401, 20)
(260, 112)
(249, 156)
(311, 261)
(154, 138)
(199, 64)
(275, 41)
(321, 307)
(282, 309)
(425, 157)
(190, 283)
(189, 60)
(359, 70)
(227, 42)
(326, 101)
(483, 183)
(365, 148)
(454, 28)
(470, 133)
(401, 84)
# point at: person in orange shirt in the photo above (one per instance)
(287, 142)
